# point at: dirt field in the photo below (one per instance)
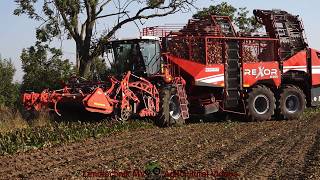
(276, 149)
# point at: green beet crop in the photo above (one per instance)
(59, 133)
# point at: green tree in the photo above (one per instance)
(240, 16)
(44, 68)
(78, 20)
(99, 70)
(8, 91)
(222, 9)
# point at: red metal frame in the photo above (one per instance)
(161, 31)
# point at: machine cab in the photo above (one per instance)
(141, 56)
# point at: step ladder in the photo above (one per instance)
(233, 83)
(183, 101)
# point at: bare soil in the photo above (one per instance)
(273, 149)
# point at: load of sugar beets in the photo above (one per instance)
(204, 67)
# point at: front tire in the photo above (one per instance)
(170, 112)
(260, 104)
(292, 102)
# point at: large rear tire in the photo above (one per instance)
(170, 112)
(260, 104)
(292, 102)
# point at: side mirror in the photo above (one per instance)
(108, 49)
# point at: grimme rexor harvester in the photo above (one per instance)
(202, 68)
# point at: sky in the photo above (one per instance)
(18, 32)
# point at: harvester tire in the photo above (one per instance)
(170, 113)
(292, 102)
(260, 104)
